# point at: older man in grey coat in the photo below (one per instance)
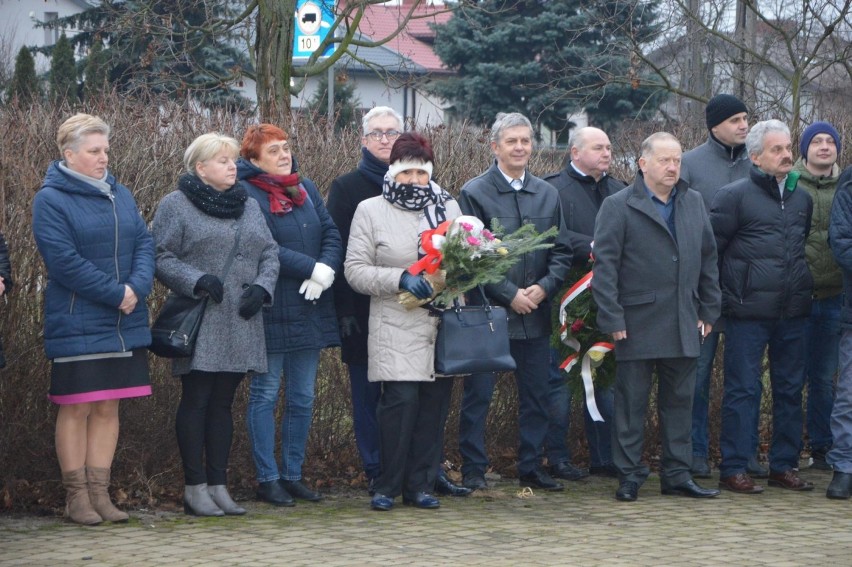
(656, 285)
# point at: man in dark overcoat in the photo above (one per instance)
(656, 286)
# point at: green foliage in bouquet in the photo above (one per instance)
(581, 321)
(472, 258)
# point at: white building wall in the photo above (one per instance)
(17, 25)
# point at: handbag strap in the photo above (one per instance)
(232, 254)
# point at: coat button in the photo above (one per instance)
(239, 256)
(245, 286)
(674, 257)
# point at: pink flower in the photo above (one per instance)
(467, 227)
(577, 326)
(487, 234)
(473, 241)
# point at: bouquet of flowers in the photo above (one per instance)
(462, 254)
(576, 336)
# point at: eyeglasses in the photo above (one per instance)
(391, 135)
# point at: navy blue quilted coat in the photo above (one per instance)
(92, 246)
(306, 235)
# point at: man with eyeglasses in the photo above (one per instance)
(381, 127)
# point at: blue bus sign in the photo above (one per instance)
(314, 19)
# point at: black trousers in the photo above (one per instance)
(675, 390)
(410, 435)
(205, 426)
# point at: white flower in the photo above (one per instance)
(466, 219)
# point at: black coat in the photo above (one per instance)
(5, 265)
(760, 238)
(581, 197)
(840, 240)
(346, 192)
(490, 196)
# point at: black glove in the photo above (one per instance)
(252, 300)
(212, 285)
(349, 326)
(415, 285)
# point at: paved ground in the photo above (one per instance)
(582, 526)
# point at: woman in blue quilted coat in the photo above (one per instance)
(100, 268)
(301, 321)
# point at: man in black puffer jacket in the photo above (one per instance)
(761, 224)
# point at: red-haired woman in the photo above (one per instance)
(383, 242)
(301, 320)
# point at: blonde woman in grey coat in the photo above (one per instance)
(196, 229)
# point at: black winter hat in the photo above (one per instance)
(721, 107)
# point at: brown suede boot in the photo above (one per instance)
(78, 507)
(99, 495)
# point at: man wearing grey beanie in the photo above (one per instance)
(720, 160)
(819, 173)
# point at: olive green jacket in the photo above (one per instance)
(827, 276)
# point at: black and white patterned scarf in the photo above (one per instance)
(427, 198)
(228, 204)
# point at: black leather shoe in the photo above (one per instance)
(818, 460)
(755, 470)
(381, 502)
(474, 481)
(443, 485)
(840, 486)
(608, 470)
(700, 467)
(540, 479)
(300, 491)
(273, 492)
(567, 471)
(422, 500)
(628, 491)
(689, 488)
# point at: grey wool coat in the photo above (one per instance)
(649, 284)
(189, 244)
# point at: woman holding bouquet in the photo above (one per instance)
(384, 241)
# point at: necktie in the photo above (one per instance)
(517, 184)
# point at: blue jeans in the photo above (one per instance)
(300, 372)
(533, 359)
(840, 456)
(745, 343)
(559, 412)
(365, 399)
(701, 401)
(822, 362)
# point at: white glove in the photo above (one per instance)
(323, 275)
(311, 289)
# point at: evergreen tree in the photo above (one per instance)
(346, 104)
(24, 85)
(63, 72)
(544, 58)
(171, 47)
(96, 78)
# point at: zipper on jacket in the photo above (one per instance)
(73, 299)
(117, 270)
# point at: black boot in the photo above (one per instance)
(840, 486)
(274, 493)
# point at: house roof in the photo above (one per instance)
(369, 59)
(415, 42)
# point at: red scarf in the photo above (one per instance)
(284, 191)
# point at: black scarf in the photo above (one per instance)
(427, 198)
(372, 167)
(228, 204)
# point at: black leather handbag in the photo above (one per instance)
(175, 330)
(473, 339)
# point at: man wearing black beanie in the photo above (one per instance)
(720, 160)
